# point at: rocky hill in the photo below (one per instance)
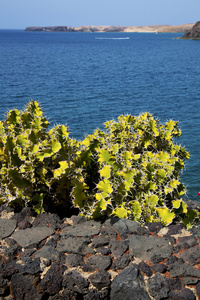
(194, 32)
(150, 28)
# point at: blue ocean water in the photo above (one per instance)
(85, 79)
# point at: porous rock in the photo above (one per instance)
(184, 294)
(155, 227)
(191, 256)
(124, 225)
(198, 289)
(7, 227)
(100, 262)
(85, 229)
(159, 268)
(118, 248)
(99, 241)
(12, 251)
(31, 236)
(24, 224)
(101, 279)
(74, 281)
(66, 295)
(74, 260)
(103, 250)
(157, 258)
(190, 280)
(31, 266)
(108, 256)
(52, 281)
(179, 269)
(150, 246)
(158, 286)
(49, 220)
(186, 242)
(4, 286)
(97, 295)
(74, 245)
(22, 287)
(145, 269)
(48, 252)
(129, 285)
(108, 231)
(121, 262)
(8, 268)
(26, 214)
(196, 232)
(175, 229)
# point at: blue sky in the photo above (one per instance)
(18, 14)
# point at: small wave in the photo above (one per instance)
(103, 38)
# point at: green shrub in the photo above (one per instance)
(35, 164)
(130, 170)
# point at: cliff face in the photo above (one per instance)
(51, 28)
(193, 33)
(150, 28)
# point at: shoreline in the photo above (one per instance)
(112, 28)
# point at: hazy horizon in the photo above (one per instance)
(21, 14)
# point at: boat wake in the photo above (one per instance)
(103, 38)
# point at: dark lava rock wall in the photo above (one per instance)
(43, 257)
(194, 33)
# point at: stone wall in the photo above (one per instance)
(44, 257)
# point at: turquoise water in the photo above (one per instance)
(85, 79)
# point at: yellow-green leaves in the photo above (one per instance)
(105, 172)
(23, 140)
(34, 108)
(161, 173)
(51, 148)
(136, 210)
(62, 170)
(79, 193)
(127, 155)
(128, 175)
(180, 206)
(54, 145)
(165, 215)
(151, 200)
(29, 156)
(120, 212)
(105, 186)
(2, 129)
(163, 156)
(104, 156)
(174, 183)
(102, 202)
(13, 117)
(170, 125)
(130, 170)
(153, 126)
(136, 156)
(38, 200)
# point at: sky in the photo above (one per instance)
(19, 14)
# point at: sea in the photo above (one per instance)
(85, 79)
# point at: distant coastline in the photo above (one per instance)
(112, 28)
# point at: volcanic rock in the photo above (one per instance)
(100, 279)
(31, 236)
(193, 33)
(129, 285)
(7, 227)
